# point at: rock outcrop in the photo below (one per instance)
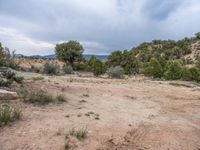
(7, 95)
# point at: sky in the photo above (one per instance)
(34, 27)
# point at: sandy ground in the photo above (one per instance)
(134, 113)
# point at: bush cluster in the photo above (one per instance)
(34, 69)
(8, 74)
(7, 59)
(5, 83)
(153, 68)
(80, 134)
(51, 69)
(159, 59)
(8, 114)
(81, 66)
(40, 97)
(171, 71)
(125, 59)
(116, 72)
(67, 69)
(9, 78)
(96, 66)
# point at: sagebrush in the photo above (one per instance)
(8, 114)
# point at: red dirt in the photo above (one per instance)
(134, 113)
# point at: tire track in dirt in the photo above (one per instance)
(132, 140)
(155, 137)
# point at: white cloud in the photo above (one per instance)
(101, 25)
(184, 21)
(90, 47)
(23, 44)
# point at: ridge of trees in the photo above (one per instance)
(163, 59)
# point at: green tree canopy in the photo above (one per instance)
(173, 71)
(125, 59)
(92, 61)
(129, 63)
(98, 68)
(115, 58)
(197, 35)
(69, 52)
(154, 68)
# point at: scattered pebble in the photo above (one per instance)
(90, 112)
(79, 115)
(86, 95)
(97, 118)
(87, 114)
(83, 101)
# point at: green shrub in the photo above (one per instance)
(194, 74)
(67, 69)
(7, 59)
(38, 98)
(189, 61)
(80, 134)
(8, 74)
(37, 78)
(51, 69)
(34, 69)
(98, 68)
(186, 75)
(5, 83)
(116, 72)
(71, 52)
(91, 61)
(18, 79)
(129, 63)
(115, 58)
(81, 66)
(11, 76)
(60, 98)
(173, 71)
(12, 64)
(191, 74)
(8, 114)
(197, 35)
(126, 59)
(154, 68)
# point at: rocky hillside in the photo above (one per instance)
(186, 51)
(195, 52)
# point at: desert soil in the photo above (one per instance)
(128, 114)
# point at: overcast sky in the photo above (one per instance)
(35, 26)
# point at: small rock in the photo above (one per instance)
(79, 115)
(7, 95)
(97, 118)
(83, 101)
(87, 114)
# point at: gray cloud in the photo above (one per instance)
(34, 27)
